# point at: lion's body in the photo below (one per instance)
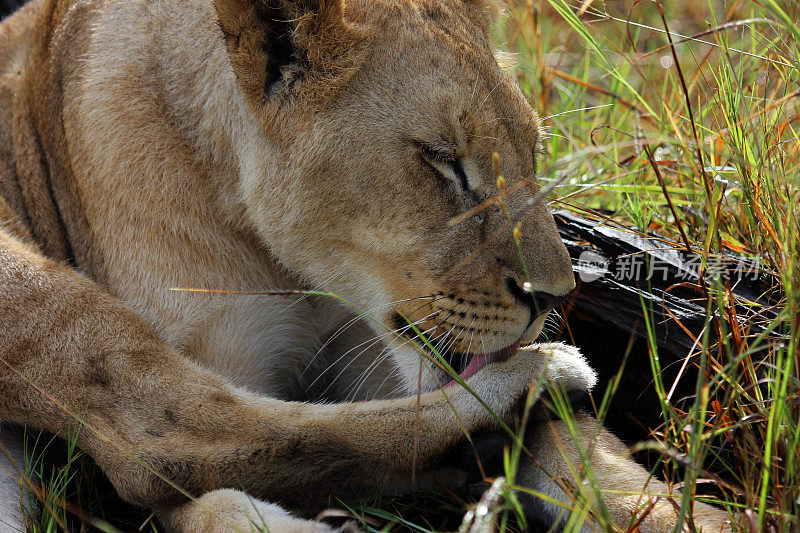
(148, 145)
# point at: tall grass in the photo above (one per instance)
(680, 118)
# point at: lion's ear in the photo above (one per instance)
(491, 8)
(274, 43)
(486, 11)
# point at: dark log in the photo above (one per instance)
(621, 272)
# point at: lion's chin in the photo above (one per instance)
(534, 330)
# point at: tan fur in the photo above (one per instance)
(151, 144)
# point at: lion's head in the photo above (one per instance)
(379, 121)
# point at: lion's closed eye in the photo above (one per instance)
(448, 165)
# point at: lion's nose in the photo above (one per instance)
(538, 302)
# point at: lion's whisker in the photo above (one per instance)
(361, 380)
(371, 342)
(490, 94)
(318, 287)
(346, 366)
(347, 325)
(352, 360)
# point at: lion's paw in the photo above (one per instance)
(566, 366)
(227, 511)
(501, 385)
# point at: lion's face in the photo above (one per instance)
(362, 194)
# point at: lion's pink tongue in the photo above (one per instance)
(479, 360)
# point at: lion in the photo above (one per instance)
(277, 146)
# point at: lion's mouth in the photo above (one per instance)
(464, 364)
(468, 364)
